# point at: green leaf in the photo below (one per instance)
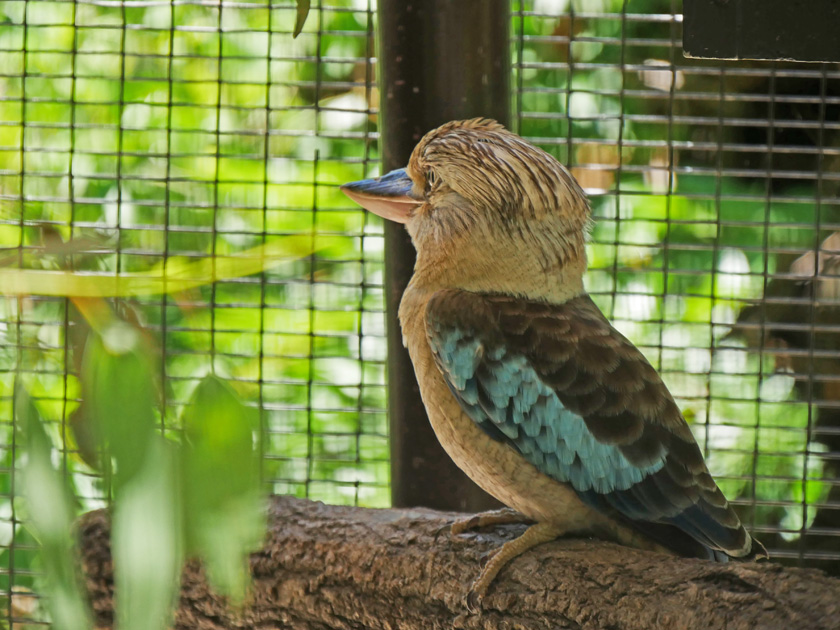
(49, 504)
(146, 542)
(224, 507)
(119, 395)
(302, 14)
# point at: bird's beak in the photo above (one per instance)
(388, 196)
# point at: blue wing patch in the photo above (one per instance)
(503, 393)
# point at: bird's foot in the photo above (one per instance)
(497, 559)
(486, 519)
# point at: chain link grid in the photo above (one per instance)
(197, 136)
(714, 248)
(138, 134)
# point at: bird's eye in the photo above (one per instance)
(431, 180)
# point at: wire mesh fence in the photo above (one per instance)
(713, 187)
(200, 137)
(138, 136)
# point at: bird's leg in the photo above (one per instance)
(485, 519)
(537, 534)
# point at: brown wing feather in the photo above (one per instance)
(601, 376)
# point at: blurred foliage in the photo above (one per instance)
(51, 518)
(153, 152)
(303, 7)
(146, 109)
(198, 496)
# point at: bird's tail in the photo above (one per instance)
(680, 543)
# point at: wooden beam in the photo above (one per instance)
(439, 60)
(325, 567)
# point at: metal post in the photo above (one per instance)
(440, 60)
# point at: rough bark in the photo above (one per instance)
(341, 567)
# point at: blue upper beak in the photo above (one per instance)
(388, 196)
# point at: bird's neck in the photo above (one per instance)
(517, 272)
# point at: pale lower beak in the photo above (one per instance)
(388, 196)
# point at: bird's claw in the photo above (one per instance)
(487, 519)
(465, 525)
(473, 600)
(461, 526)
(478, 589)
(442, 529)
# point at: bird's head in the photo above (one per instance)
(484, 206)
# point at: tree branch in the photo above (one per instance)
(342, 567)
